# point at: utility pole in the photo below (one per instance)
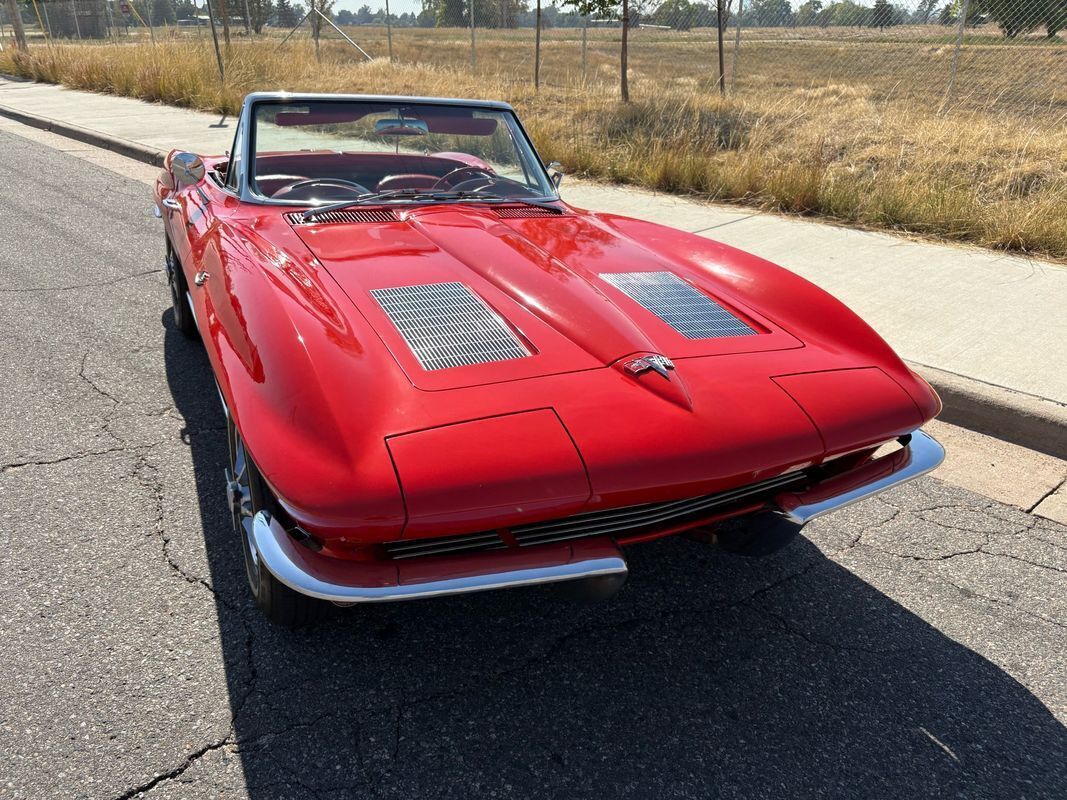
(16, 24)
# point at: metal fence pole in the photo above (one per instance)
(537, 50)
(950, 95)
(77, 25)
(474, 57)
(722, 55)
(47, 21)
(585, 32)
(737, 44)
(389, 30)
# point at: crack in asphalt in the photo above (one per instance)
(148, 475)
(72, 287)
(189, 760)
(971, 593)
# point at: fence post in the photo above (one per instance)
(47, 21)
(737, 45)
(537, 50)
(722, 55)
(40, 22)
(950, 95)
(77, 25)
(474, 57)
(16, 24)
(389, 30)
(585, 31)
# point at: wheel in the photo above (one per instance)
(756, 535)
(179, 289)
(247, 494)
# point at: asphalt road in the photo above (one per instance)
(912, 646)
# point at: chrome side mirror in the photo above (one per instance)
(188, 169)
(555, 172)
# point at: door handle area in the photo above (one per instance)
(200, 277)
(172, 204)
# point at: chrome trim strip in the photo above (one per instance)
(921, 454)
(272, 543)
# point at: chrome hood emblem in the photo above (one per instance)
(652, 361)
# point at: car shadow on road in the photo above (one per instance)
(709, 675)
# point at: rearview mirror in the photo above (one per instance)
(401, 127)
(188, 169)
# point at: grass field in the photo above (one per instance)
(848, 128)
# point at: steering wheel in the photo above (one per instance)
(462, 175)
(336, 189)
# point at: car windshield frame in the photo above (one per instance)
(245, 154)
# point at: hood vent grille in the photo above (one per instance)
(516, 212)
(347, 215)
(447, 325)
(690, 312)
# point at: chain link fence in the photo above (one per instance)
(1002, 55)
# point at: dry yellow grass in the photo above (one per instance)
(847, 151)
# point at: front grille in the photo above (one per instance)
(346, 215)
(513, 212)
(690, 312)
(447, 325)
(614, 521)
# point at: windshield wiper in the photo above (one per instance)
(424, 195)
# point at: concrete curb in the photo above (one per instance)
(124, 147)
(1022, 419)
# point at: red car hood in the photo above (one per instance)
(542, 276)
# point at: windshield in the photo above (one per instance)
(338, 151)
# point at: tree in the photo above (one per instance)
(683, 15)
(808, 13)
(924, 11)
(162, 12)
(285, 15)
(770, 14)
(259, 12)
(452, 14)
(882, 14)
(1021, 16)
(1055, 18)
(609, 9)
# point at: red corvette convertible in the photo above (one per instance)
(440, 378)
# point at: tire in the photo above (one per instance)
(248, 494)
(182, 314)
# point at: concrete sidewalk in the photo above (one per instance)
(970, 319)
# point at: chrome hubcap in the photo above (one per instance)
(239, 495)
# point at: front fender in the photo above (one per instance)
(295, 374)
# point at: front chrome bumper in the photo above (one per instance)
(920, 453)
(349, 582)
(346, 582)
